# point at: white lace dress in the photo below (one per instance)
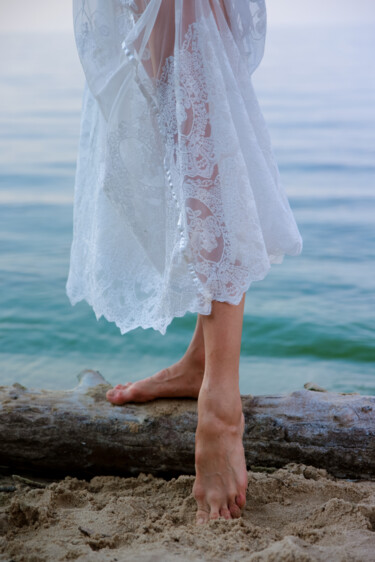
(178, 198)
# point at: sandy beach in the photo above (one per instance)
(296, 513)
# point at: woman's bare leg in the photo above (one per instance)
(221, 476)
(183, 379)
(210, 369)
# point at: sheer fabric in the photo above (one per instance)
(178, 197)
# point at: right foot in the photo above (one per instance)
(221, 477)
(183, 379)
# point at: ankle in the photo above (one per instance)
(195, 355)
(222, 381)
(217, 405)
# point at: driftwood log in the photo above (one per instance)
(78, 432)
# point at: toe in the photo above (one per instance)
(235, 511)
(241, 500)
(117, 396)
(203, 509)
(201, 517)
(123, 386)
(113, 391)
(112, 396)
(110, 393)
(214, 513)
(224, 512)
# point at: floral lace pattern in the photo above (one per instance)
(178, 198)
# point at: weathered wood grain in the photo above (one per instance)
(78, 432)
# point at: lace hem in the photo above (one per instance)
(161, 324)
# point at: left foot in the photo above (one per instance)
(183, 379)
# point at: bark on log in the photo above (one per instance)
(78, 432)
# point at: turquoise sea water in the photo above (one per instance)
(311, 319)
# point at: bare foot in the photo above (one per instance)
(221, 476)
(183, 379)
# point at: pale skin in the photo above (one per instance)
(209, 371)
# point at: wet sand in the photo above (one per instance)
(297, 513)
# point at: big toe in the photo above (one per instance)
(118, 394)
(201, 517)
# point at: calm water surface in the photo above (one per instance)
(311, 319)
